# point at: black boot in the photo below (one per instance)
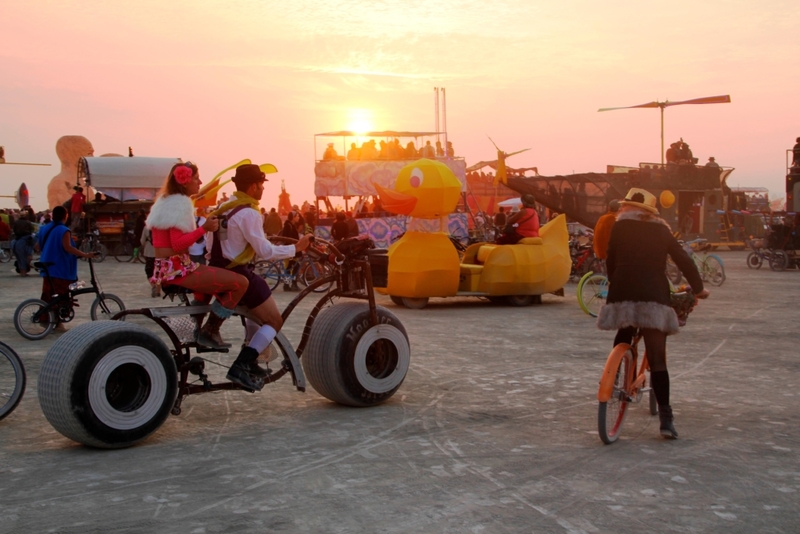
(667, 428)
(209, 335)
(239, 372)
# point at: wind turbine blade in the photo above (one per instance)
(517, 152)
(498, 148)
(722, 99)
(648, 105)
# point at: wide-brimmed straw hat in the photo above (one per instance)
(640, 198)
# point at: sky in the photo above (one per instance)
(216, 82)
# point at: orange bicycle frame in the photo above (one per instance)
(609, 375)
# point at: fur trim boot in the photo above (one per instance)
(667, 428)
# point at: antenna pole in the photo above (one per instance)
(444, 117)
(662, 134)
(436, 111)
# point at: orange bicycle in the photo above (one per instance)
(624, 380)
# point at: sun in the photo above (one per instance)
(359, 121)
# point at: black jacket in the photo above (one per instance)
(638, 293)
(637, 260)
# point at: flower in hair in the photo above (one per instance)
(183, 174)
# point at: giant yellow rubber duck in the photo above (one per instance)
(422, 264)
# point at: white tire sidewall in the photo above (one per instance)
(100, 406)
(395, 378)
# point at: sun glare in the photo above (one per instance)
(359, 121)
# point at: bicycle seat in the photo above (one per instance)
(175, 290)
(43, 264)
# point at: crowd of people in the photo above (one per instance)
(679, 153)
(391, 150)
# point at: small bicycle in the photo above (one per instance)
(622, 383)
(12, 380)
(34, 319)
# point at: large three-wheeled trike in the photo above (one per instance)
(110, 384)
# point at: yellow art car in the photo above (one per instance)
(423, 265)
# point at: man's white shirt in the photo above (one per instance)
(246, 227)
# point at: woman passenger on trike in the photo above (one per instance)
(639, 292)
(173, 229)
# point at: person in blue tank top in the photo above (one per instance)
(58, 248)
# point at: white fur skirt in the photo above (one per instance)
(639, 314)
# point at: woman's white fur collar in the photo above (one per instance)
(172, 211)
(642, 216)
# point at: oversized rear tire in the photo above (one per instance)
(352, 363)
(107, 384)
(30, 327)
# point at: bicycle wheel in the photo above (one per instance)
(592, 293)
(778, 260)
(101, 250)
(611, 414)
(123, 252)
(12, 380)
(713, 270)
(754, 261)
(86, 248)
(31, 323)
(271, 271)
(312, 271)
(105, 306)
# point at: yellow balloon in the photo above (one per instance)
(667, 199)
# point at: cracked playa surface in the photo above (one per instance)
(493, 430)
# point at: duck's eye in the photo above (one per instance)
(416, 178)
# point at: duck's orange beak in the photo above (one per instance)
(395, 202)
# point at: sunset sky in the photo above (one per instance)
(215, 82)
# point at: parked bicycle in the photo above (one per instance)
(592, 292)
(129, 249)
(34, 318)
(90, 242)
(583, 260)
(304, 271)
(623, 383)
(12, 380)
(710, 266)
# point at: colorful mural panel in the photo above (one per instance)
(338, 178)
(384, 230)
